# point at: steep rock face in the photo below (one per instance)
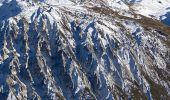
(85, 51)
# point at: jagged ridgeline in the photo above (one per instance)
(81, 52)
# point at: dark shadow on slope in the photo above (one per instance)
(104, 93)
(4, 73)
(10, 9)
(36, 14)
(137, 36)
(96, 41)
(133, 68)
(118, 73)
(167, 19)
(82, 52)
(2, 32)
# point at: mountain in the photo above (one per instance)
(84, 49)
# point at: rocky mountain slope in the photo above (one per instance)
(84, 50)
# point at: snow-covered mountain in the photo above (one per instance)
(84, 49)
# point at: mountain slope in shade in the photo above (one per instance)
(84, 49)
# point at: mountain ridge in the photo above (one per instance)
(82, 51)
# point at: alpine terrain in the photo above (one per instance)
(84, 49)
